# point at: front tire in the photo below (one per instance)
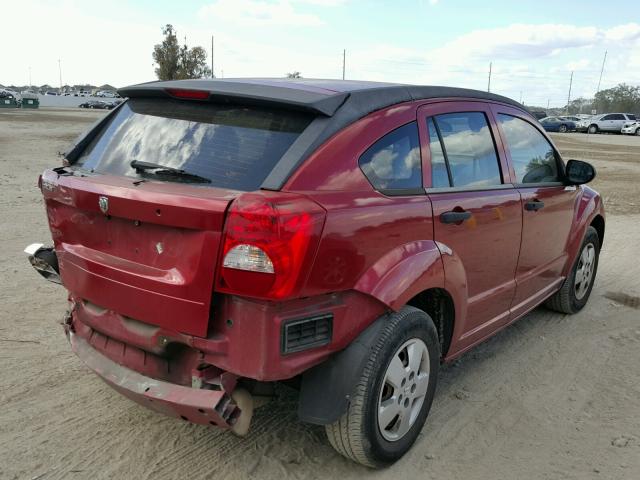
(638, 131)
(576, 289)
(593, 129)
(393, 396)
(562, 129)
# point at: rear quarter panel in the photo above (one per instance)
(378, 245)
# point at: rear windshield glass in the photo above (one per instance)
(234, 147)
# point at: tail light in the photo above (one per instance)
(269, 242)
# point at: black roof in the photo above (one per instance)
(334, 103)
(324, 97)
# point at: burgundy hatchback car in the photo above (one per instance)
(218, 236)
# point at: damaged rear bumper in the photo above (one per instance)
(201, 406)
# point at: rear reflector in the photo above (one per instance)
(298, 335)
(189, 94)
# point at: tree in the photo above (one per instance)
(176, 62)
(621, 98)
(580, 105)
(167, 55)
(193, 63)
(294, 75)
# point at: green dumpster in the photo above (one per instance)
(8, 101)
(30, 101)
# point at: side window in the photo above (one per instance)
(439, 174)
(617, 116)
(393, 162)
(533, 157)
(608, 117)
(631, 117)
(469, 149)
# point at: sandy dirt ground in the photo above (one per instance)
(551, 397)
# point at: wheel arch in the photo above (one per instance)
(439, 305)
(598, 224)
(589, 213)
(403, 273)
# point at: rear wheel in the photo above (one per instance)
(392, 399)
(593, 129)
(575, 290)
(562, 129)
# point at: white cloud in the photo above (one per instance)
(260, 12)
(630, 31)
(322, 3)
(517, 41)
(581, 64)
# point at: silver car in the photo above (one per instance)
(631, 128)
(610, 122)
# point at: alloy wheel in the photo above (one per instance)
(403, 390)
(584, 272)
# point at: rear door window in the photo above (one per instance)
(533, 157)
(469, 149)
(234, 147)
(393, 162)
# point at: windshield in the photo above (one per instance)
(234, 147)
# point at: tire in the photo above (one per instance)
(592, 129)
(562, 129)
(638, 131)
(357, 434)
(572, 297)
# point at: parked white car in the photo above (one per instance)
(610, 122)
(631, 128)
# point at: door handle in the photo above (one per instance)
(534, 205)
(455, 217)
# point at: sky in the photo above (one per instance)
(533, 46)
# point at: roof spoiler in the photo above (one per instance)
(241, 93)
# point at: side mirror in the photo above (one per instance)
(578, 172)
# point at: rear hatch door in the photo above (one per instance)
(144, 243)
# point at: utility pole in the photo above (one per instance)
(29, 78)
(569, 96)
(520, 96)
(212, 74)
(60, 73)
(344, 61)
(602, 70)
(548, 103)
(489, 84)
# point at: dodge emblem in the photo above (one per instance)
(103, 202)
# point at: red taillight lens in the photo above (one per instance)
(269, 240)
(188, 94)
